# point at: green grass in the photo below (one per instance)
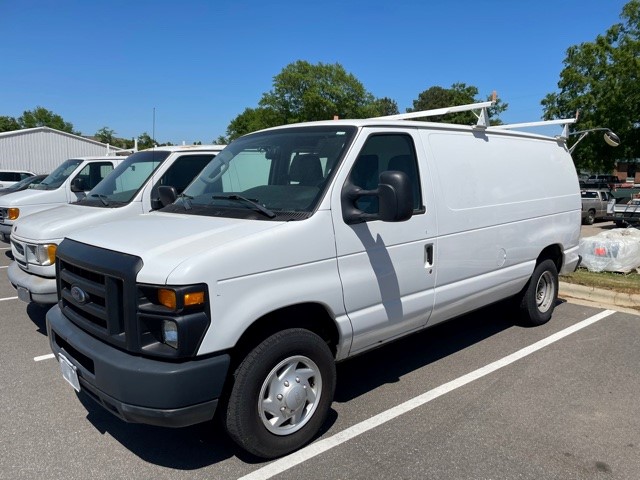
(620, 282)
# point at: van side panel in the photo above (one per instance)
(503, 199)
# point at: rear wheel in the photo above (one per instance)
(540, 295)
(282, 393)
(590, 218)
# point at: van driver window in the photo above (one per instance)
(381, 153)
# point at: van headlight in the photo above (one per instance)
(41, 254)
(170, 333)
(172, 319)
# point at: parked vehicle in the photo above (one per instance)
(131, 189)
(304, 245)
(594, 204)
(624, 211)
(66, 184)
(9, 177)
(610, 181)
(23, 184)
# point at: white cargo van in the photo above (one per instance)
(131, 189)
(66, 184)
(304, 245)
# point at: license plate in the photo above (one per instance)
(24, 294)
(69, 372)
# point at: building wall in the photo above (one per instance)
(628, 170)
(42, 149)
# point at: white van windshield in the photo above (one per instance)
(121, 185)
(56, 178)
(277, 174)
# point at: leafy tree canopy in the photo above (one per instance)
(601, 80)
(305, 92)
(458, 94)
(7, 124)
(41, 117)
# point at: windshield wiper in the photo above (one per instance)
(103, 198)
(253, 202)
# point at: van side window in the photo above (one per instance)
(182, 171)
(93, 173)
(381, 153)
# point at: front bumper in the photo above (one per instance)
(138, 389)
(40, 289)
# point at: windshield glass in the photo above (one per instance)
(284, 171)
(59, 175)
(121, 185)
(22, 183)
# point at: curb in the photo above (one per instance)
(600, 296)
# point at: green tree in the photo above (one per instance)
(459, 94)
(106, 135)
(145, 141)
(385, 106)
(601, 80)
(41, 117)
(304, 92)
(8, 124)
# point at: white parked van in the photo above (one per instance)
(131, 189)
(304, 245)
(66, 184)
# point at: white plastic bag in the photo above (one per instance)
(616, 250)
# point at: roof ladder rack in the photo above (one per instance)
(543, 123)
(483, 117)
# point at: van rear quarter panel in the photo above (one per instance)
(501, 199)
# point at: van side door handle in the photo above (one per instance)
(428, 255)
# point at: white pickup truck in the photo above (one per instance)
(131, 189)
(624, 212)
(66, 184)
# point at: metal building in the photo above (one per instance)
(42, 149)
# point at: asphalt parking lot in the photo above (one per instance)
(476, 398)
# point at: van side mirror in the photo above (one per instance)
(77, 185)
(395, 198)
(167, 195)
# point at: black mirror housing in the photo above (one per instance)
(168, 194)
(395, 198)
(77, 185)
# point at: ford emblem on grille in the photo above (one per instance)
(79, 295)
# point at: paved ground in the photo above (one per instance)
(487, 399)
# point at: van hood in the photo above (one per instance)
(33, 197)
(56, 223)
(164, 240)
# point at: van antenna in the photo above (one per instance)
(153, 128)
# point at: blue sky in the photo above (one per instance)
(201, 63)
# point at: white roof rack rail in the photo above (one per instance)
(483, 117)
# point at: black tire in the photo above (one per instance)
(620, 224)
(540, 296)
(590, 218)
(292, 370)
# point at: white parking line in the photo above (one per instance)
(4, 266)
(322, 446)
(8, 298)
(43, 357)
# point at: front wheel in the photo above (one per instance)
(281, 394)
(540, 295)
